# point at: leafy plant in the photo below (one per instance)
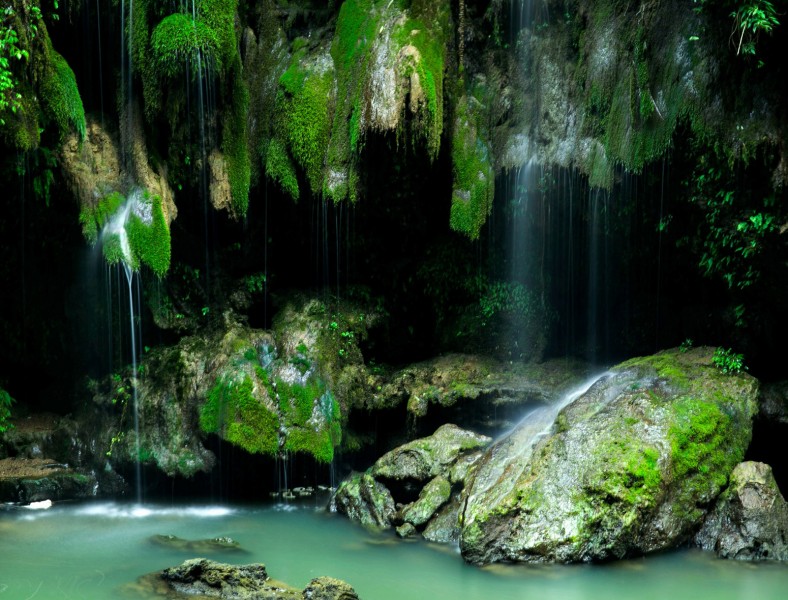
(5, 410)
(727, 361)
(750, 20)
(686, 345)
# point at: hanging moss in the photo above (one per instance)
(149, 238)
(93, 219)
(234, 144)
(232, 411)
(60, 96)
(427, 32)
(303, 104)
(474, 176)
(179, 40)
(280, 168)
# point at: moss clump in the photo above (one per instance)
(112, 248)
(427, 32)
(178, 40)
(472, 168)
(279, 167)
(93, 219)
(60, 96)
(304, 103)
(149, 234)
(705, 447)
(232, 411)
(234, 144)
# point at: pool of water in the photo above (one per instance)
(89, 551)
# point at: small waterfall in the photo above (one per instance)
(511, 454)
(115, 228)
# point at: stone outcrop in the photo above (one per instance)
(408, 487)
(628, 468)
(750, 519)
(205, 578)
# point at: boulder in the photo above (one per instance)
(750, 519)
(327, 588)
(28, 480)
(444, 527)
(426, 458)
(365, 501)
(205, 578)
(409, 487)
(774, 402)
(432, 496)
(630, 467)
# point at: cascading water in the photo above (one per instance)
(498, 477)
(115, 229)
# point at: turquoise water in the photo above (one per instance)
(89, 551)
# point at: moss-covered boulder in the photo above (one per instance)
(426, 458)
(750, 519)
(205, 578)
(630, 467)
(365, 501)
(407, 487)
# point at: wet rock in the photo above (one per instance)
(365, 501)
(219, 544)
(630, 467)
(28, 480)
(444, 527)
(476, 391)
(203, 578)
(426, 458)
(443, 460)
(433, 495)
(774, 402)
(327, 588)
(750, 519)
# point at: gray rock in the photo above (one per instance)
(426, 458)
(202, 577)
(750, 520)
(628, 468)
(774, 402)
(327, 588)
(365, 501)
(406, 530)
(433, 495)
(219, 544)
(444, 527)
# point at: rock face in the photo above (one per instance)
(409, 487)
(204, 578)
(628, 468)
(750, 520)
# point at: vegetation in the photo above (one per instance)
(728, 361)
(179, 41)
(6, 401)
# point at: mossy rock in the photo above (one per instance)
(628, 468)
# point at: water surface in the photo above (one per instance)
(88, 551)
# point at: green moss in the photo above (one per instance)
(304, 104)
(279, 167)
(150, 241)
(234, 144)
(178, 40)
(705, 447)
(60, 96)
(474, 177)
(427, 32)
(94, 219)
(232, 411)
(112, 249)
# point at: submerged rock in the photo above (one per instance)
(630, 467)
(203, 578)
(219, 544)
(750, 519)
